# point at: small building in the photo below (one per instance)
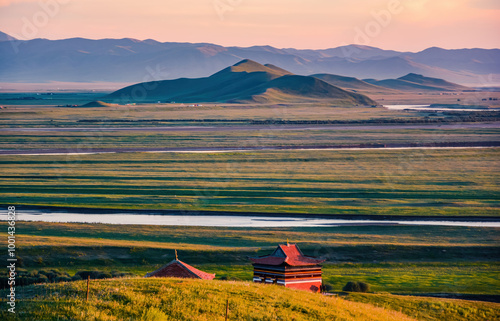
(288, 267)
(179, 269)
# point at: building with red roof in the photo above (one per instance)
(179, 269)
(288, 267)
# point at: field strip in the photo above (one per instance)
(255, 127)
(36, 240)
(39, 152)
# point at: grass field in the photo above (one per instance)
(174, 299)
(397, 259)
(273, 135)
(462, 182)
(431, 309)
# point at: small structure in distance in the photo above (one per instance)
(179, 269)
(288, 267)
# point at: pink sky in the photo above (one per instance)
(410, 25)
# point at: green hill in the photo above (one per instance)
(184, 299)
(434, 82)
(246, 81)
(415, 82)
(351, 83)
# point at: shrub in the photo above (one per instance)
(62, 279)
(356, 286)
(325, 287)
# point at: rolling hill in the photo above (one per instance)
(415, 82)
(165, 299)
(246, 81)
(351, 83)
(130, 61)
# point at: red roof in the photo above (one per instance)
(289, 254)
(179, 269)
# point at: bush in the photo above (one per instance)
(356, 287)
(76, 277)
(325, 287)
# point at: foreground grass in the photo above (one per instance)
(425, 308)
(177, 299)
(392, 182)
(398, 259)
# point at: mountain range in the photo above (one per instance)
(132, 60)
(246, 81)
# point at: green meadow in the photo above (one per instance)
(396, 259)
(410, 260)
(458, 182)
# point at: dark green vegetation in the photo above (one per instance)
(397, 259)
(246, 81)
(460, 182)
(356, 286)
(25, 277)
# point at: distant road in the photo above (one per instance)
(257, 127)
(68, 151)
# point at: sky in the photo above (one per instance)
(404, 25)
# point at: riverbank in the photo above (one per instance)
(100, 211)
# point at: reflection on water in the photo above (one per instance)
(428, 107)
(219, 220)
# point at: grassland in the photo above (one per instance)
(174, 299)
(273, 135)
(431, 309)
(396, 259)
(459, 182)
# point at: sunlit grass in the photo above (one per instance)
(404, 182)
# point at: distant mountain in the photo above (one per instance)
(432, 82)
(132, 60)
(6, 37)
(351, 83)
(415, 82)
(246, 81)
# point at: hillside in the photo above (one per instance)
(97, 103)
(130, 60)
(351, 83)
(432, 82)
(247, 81)
(6, 37)
(185, 299)
(414, 82)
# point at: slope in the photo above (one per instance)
(351, 83)
(415, 82)
(187, 299)
(6, 37)
(246, 81)
(432, 82)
